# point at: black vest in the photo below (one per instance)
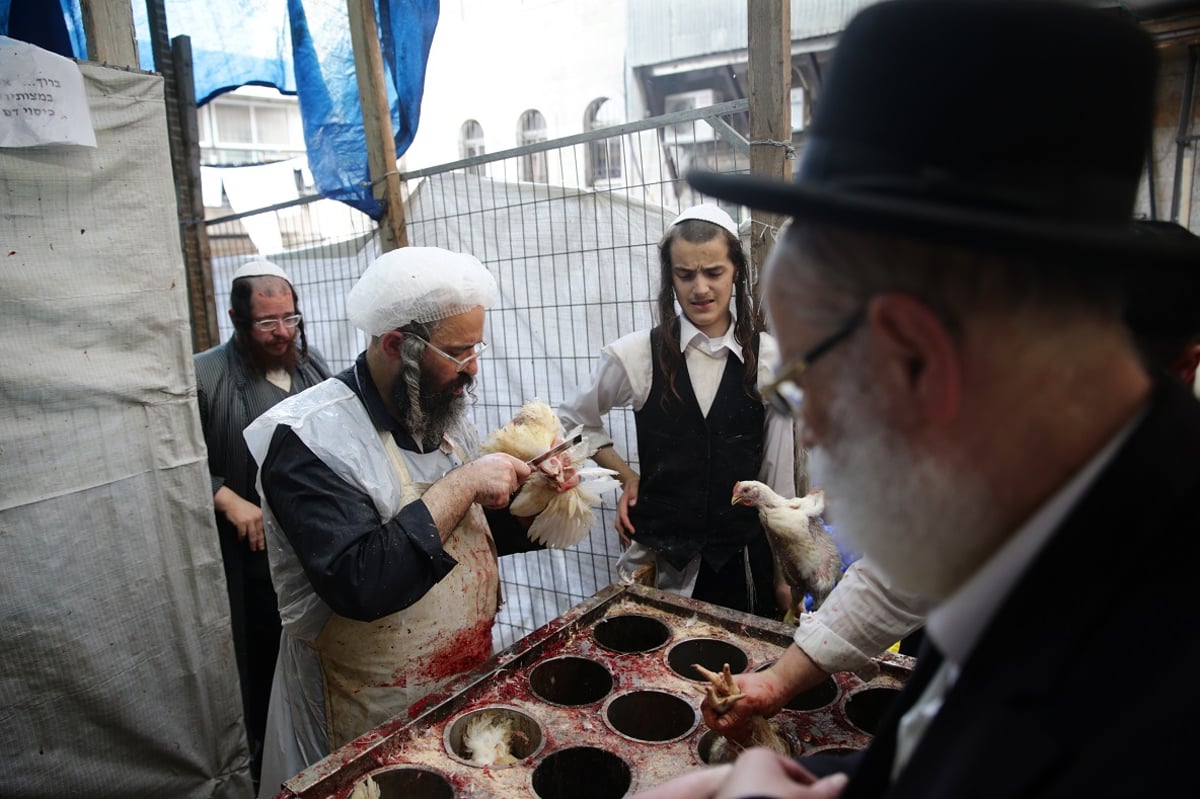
(689, 464)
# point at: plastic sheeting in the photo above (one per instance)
(299, 47)
(117, 673)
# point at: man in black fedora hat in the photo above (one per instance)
(956, 300)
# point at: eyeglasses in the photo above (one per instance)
(459, 363)
(270, 324)
(784, 394)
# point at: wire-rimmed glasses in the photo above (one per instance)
(459, 363)
(289, 322)
(784, 394)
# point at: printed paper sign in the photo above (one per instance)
(42, 100)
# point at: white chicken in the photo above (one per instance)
(487, 741)
(561, 493)
(805, 553)
(367, 789)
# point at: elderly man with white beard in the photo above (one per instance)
(953, 302)
(383, 527)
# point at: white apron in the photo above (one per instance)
(322, 658)
(376, 670)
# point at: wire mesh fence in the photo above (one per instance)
(574, 250)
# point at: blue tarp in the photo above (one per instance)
(300, 47)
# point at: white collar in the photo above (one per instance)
(690, 335)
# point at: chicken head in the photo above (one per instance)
(747, 492)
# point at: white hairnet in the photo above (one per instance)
(418, 284)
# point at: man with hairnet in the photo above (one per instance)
(382, 555)
(266, 360)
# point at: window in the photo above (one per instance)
(470, 144)
(253, 124)
(531, 129)
(234, 125)
(603, 155)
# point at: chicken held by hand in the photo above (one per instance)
(720, 695)
(562, 492)
(805, 553)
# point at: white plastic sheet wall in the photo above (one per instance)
(117, 675)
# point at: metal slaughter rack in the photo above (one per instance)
(604, 701)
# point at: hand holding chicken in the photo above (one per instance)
(721, 695)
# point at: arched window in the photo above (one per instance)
(470, 144)
(530, 129)
(603, 155)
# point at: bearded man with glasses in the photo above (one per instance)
(383, 527)
(266, 360)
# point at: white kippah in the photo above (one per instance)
(707, 212)
(418, 284)
(260, 266)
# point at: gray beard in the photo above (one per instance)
(926, 524)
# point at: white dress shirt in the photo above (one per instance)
(623, 378)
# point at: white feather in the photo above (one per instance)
(367, 789)
(487, 739)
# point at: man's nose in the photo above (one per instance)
(471, 367)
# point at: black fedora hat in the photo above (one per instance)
(1014, 124)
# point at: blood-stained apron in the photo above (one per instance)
(376, 670)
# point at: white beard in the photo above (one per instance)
(928, 525)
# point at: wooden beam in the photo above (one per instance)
(108, 27)
(197, 260)
(769, 79)
(377, 123)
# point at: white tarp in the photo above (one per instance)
(117, 674)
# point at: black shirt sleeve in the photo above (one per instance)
(362, 566)
(509, 533)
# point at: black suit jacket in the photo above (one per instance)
(1085, 683)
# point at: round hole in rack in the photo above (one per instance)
(714, 749)
(510, 734)
(866, 708)
(629, 633)
(411, 782)
(711, 653)
(815, 698)
(651, 716)
(581, 772)
(570, 681)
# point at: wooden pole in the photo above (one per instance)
(377, 123)
(197, 260)
(108, 26)
(769, 64)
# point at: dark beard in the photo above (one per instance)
(438, 409)
(262, 362)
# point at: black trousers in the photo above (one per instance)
(727, 586)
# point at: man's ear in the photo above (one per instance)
(390, 343)
(916, 358)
